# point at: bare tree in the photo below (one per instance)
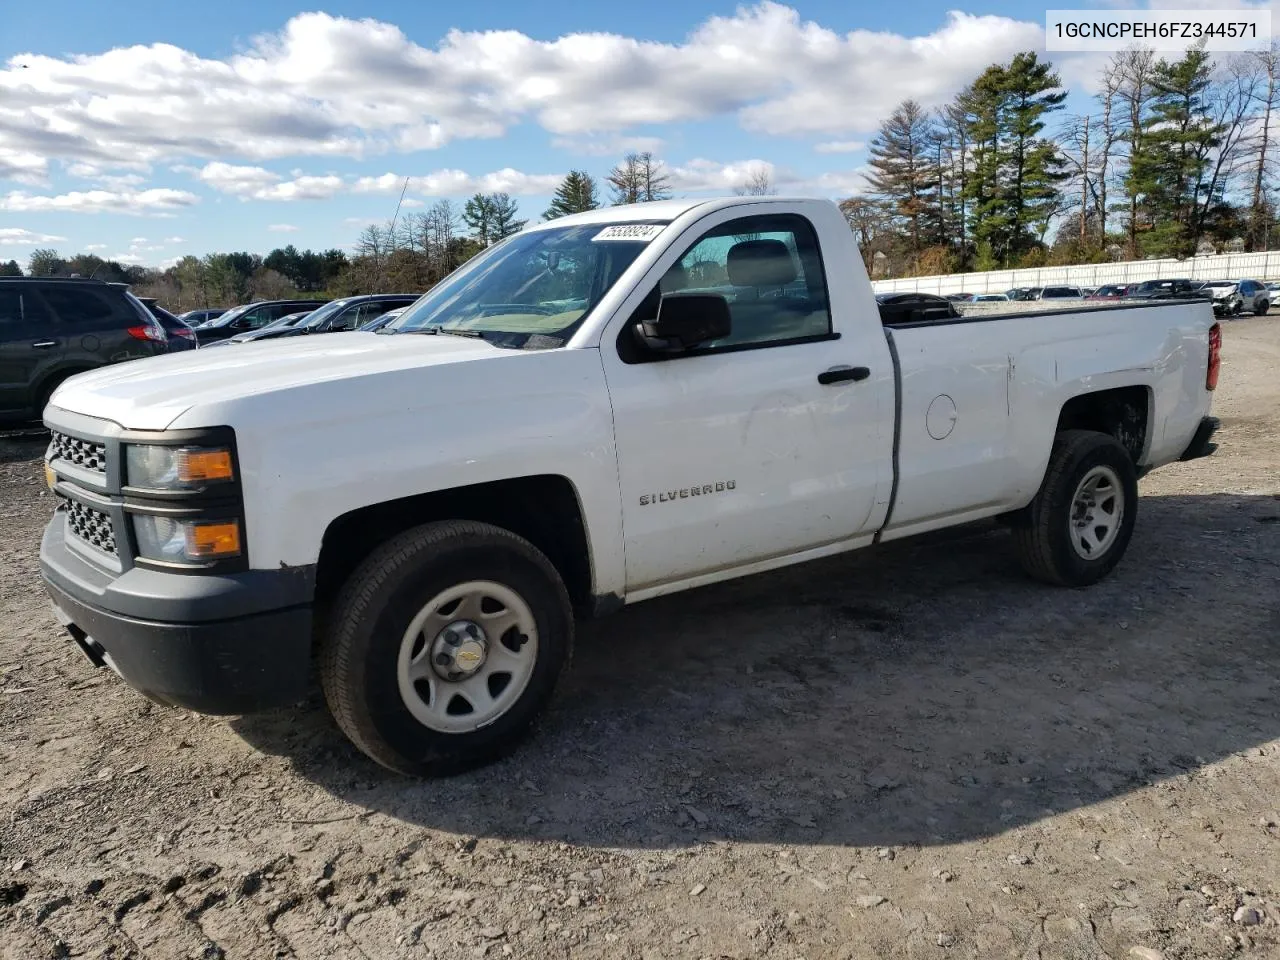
(758, 184)
(1260, 211)
(639, 178)
(1233, 96)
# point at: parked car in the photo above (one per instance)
(377, 323)
(1023, 293)
(1110, 291)
(1060, 293)
(288, 320)
(349, 313)
(1227, 301)
(51, 329)
(181, 336)
(1255, 298)
(1175, 289)
(420, 515)
(959, 297)
(990, 298)
(193, 318)
(251, 316)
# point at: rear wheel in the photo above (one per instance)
(1079, 525)
(1263, 307)
(444, 646)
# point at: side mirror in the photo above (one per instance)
(685, 320)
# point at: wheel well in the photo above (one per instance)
(542, 509)
(1123, 412)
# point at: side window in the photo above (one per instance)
(768, 268)
(79, 306)
(10, 308)
(373, 309)
(254, 319)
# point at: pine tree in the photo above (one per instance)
(1015, 187)
(492, 217)
(904, 176)
(504, 209)
(576, 194)
(1179, 135)
(478, 215)
(1035, 164)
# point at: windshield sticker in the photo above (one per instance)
(630, 231)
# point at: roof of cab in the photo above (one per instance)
(660, 210)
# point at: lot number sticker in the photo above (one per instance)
(630, 231)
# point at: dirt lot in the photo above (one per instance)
(909, 753)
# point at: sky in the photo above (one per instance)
(144, 131)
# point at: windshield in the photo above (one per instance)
(318, 317)
(1220, 284)
(229, 316)
(532, 289)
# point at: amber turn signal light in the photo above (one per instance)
(200, 466)
(213, 541)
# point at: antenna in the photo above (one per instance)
(392, 232)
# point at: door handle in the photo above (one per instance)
(841, 374)
(44, 344)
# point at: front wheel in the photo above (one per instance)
(444, 646)
(1263, 307)
(1079, 525)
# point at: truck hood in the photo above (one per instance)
(150, 394)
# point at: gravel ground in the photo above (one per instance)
(908, 753)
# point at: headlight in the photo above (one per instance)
(185, 541)
(177, 468)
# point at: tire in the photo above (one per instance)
(376, 642)
(1262, 309)
(1048, 543)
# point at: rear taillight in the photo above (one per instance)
(1215, 357)
(186, 333)
(145, 331)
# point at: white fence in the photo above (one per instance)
(1229, 266)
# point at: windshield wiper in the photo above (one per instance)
(453, 332)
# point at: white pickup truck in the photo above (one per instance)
(598, 410)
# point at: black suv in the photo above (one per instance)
(251, 316)
(53, 328)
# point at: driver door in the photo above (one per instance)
(735, 452)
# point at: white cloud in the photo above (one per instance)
(708, 176)
(95, 246)
(258, 183)
(137, 240)
(175, 239)
(126, 258)
(458, 183)
(282, 228)
(155, 202)
(330, 86)
(839, 146)
(609, 146)
(19, 237)
(22, 165)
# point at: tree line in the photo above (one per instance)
(406, 254)
(1174, 158)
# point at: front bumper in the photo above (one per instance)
(218, 644)
(1201, 444)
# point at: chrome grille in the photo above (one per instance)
(92, 526)
(85, 454)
